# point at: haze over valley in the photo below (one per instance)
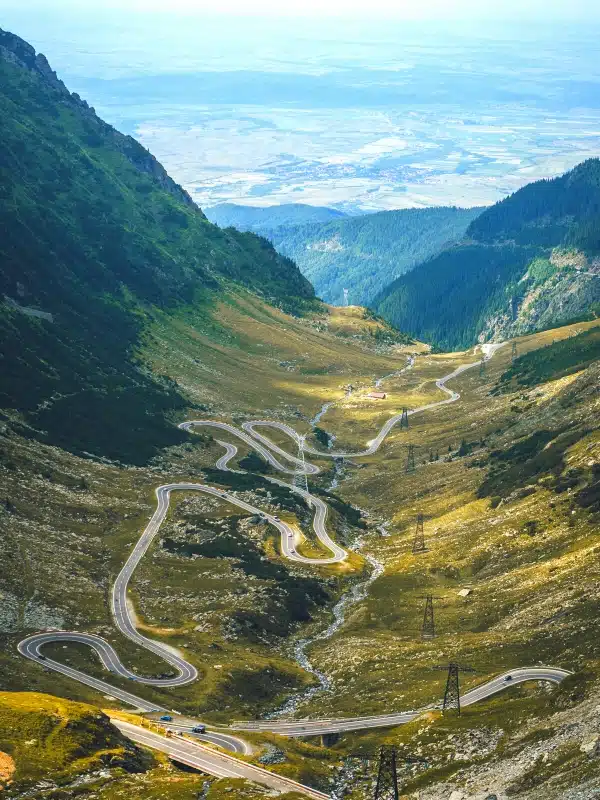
(356, 115)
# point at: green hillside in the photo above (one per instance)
(96, 238)
(258, 220)
(364, 254)
(528, 262)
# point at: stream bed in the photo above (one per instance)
(353, 596)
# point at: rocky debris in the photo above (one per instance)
(38, 616)
(272, 755)
(9, 613)
(529, 764)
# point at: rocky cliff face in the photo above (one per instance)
(551, 291)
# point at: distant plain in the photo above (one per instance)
(251, 112)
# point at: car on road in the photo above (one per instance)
(199, 729)
(508, 678)
(166, 718)
(41, 657)
(277, 518)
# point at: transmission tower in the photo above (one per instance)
(483, 368)
(428, 627)
(419, 540)
(300, 478)
(404, 418)
(346, 297)
(387, 776)
(513, 352)
(410, 459)
(452, 693)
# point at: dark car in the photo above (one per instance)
(508, 678)
(199, 729)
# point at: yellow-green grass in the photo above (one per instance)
(244, 356)
(48, 737)
(519, 581)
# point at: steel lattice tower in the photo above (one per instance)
(452, 693)
(410, 459)
(404, 418)
(513, 352)
(428, 627)
(419, 540)
(483, 368)
(387, 776)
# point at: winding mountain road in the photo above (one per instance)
(183, 671)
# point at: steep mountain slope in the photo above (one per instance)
(530, 261)
(94, 236)
(364, 254)
(259, 220)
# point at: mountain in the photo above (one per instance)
(528, 262)
(96, 239)
(364, 254)
(259, 220)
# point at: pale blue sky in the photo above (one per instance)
(408, 9)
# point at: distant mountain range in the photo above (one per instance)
(362, 253)
(263, 220)
(528, 262)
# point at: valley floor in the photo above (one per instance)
(505, 481)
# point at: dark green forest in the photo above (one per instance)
(94, 236)
(365, 253)
(262, 220)
(504, 254)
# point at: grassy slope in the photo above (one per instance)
(96, 238)
(530, 561)
(50, 738)
(70, 522)
(520, 581)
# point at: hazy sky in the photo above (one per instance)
(413, 9)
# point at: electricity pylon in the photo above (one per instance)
(390, 760)
(483, 368)
(404, 418)
(513, 352)
(428, 627)
(410, 459)
(387, 776)
(346, 297)
(300, 478)
(419, 540)
(452, 693)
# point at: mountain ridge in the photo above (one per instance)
(528, 262)
(95, 238)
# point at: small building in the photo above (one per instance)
(377, 395)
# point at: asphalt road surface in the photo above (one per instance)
(182, 671)
(212, 762)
